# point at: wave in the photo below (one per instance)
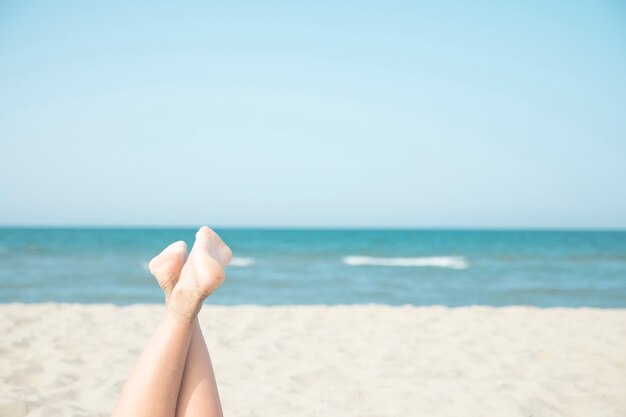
(453, 262)
(241, 262)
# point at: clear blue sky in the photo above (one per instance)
(433, 114)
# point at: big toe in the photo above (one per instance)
(209, 242)
(167, 265)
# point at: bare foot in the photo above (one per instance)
(202, 274)
(167, 265)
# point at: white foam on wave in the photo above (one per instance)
(454, 262)
(241, 262)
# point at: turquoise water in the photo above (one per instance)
(418, 267)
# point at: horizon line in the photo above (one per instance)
(334, 227)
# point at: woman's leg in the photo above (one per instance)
(198, 391)
(152, 388)
(155, 383)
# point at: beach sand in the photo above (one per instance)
(72, 360)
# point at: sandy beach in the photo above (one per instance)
(368, 360)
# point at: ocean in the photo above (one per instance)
(289, 266)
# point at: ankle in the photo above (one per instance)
(183, 304)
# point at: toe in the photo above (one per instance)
(204, 233)
(226, 255)
(169, 262)
(179, 248)
(210, 242)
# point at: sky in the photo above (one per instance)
(313, 114)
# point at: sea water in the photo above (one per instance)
(396, 267)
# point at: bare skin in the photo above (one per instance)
(198, 391)
(174, 376)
